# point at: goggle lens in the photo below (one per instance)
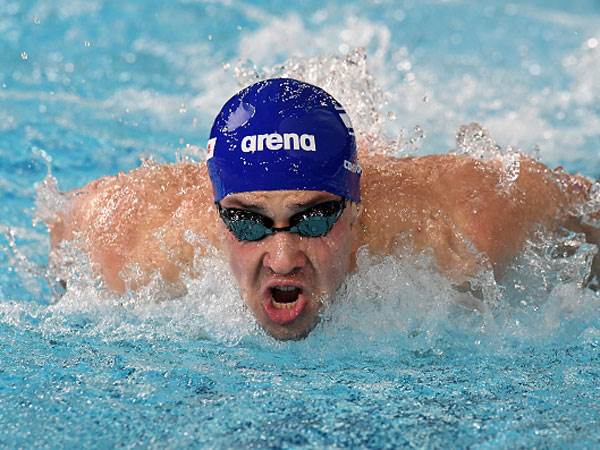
(248, 230)
(316, 221)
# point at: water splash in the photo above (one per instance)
(349, 80)
(32, 275)
(590, 210)
(475, 141)
(547, 262)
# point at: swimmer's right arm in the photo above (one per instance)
(136, 222)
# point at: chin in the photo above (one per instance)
(289, 335)
(291, 332)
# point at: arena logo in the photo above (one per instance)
(352, 167)
(276, 141)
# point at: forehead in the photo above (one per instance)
(291, 199)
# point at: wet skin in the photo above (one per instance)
(316, 266)
(453, 206)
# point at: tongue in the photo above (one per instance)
(285, 296)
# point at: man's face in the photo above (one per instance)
(285, 278)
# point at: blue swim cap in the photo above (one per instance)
(283, 134)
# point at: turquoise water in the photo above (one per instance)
(90, 88)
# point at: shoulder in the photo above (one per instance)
(143, 197)
(151, 183)
(453, 201)
(140, 218)
(441, 176)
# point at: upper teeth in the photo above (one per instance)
(285, 288)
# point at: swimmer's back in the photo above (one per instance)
(461, 208)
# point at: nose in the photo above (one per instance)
(283, 254)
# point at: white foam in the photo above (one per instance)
(167, 108)
(289, 36)
(562, 18)
(7, 122)
(584, 64)
(63, 9)
(211, 307)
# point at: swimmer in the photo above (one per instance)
(288, 200)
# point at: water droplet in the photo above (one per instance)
(419, 132)
(535, 70)
(129, 58)
(319, 16)
(404, 66)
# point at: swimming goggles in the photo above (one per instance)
(315, 221)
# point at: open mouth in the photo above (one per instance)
(283, 304)
(284, 297)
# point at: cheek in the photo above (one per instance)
(333, 253)
(242, 259)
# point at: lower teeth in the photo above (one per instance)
(289, 305)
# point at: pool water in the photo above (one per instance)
(90, 88)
